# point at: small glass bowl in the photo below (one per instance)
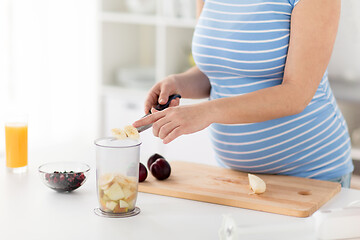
(64, 176)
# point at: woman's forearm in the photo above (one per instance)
(193, 83)
(262, 105)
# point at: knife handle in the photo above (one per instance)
(160, 107)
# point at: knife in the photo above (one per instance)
(158, 107)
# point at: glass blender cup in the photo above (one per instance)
(117, 174)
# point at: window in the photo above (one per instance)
(48, 66)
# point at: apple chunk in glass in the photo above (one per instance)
(117, 174)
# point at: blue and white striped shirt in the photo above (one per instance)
(241, 45)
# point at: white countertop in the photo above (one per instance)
(30, 210)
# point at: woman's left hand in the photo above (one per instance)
(176, 121)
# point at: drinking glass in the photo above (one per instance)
(16, 141)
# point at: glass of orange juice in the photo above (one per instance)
(16, 140)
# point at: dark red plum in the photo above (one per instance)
(160, 169)
(152, 159)
(142, 172)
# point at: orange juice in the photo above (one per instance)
(16, 145)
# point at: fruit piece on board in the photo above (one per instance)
(256, 184)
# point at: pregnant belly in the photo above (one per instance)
(275, 139)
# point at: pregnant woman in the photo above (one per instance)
(263, 66)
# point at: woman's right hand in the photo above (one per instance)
(160, 92)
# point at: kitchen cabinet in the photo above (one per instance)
(344, 63)
(344, 71)
(348, 99)
(138, 47)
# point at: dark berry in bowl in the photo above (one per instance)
(64, 176)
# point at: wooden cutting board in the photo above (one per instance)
(293, 196)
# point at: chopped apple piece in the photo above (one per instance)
(132, 180)
(114, 192)
(111, 205)
(127, 192)
(131, 198)
(118, 189)
(132, 184)
(130, 195)
(105, 179)
(121, 180)
(123, 204)
(118, 209)
(106, 198)
(103, 204)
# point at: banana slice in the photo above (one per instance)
(256, 184)
(132, 132)
(119, 133)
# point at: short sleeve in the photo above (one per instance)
(294, 2)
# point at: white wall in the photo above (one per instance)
(345, 61)
(50, 68)
(4, 75)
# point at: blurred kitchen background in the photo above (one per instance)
(82, 67)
